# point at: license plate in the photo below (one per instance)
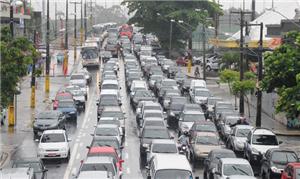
(52, 155)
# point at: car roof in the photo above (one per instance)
(109, 91)
(155, 127)
(281, 150)
(234, 161)
(171, 161)
(98, 159)
(201, 89)
(54, 131)
(93, 175)
(152, 111)
(110, 82)
(106, 126)
(193, 112)
(262, 131)
(163, 141)
(201, 134)
(203, 122)
(100, 149)
(153, 119)
(52, 112)
(151, 103)
(112, 108)
(244, 127)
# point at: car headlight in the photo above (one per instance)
(145, 145)
(275, 170)
(63, 149)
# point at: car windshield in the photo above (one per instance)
(51, 138)
(169, 83)
(224, 155)
(152, 107)
(156, 133)
(107, 143)
(47, 116)
(110, 86)
(179, 100)
(108, 102)
(106, 132)
(35, 165)
(174, 174)
(154, 115)
(77, 77)
(64, 97)
(176, 107)
(202, 93)
(116, 122)
(98, 167)
(284, 157)
(264, 140)
(66, 104)
(242, 132)
(89, 54)
(237, 169)
(142, 94)
(164, 148)
(154, 123)
(193, 117)
(207, 140)
(156, 78)
(116, 114)
(206, 128)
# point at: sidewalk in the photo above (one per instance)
(13, 137)
(274, 121)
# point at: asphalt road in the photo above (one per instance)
(80, 134)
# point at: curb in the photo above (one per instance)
(3, 158)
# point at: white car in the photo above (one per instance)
(238, 137)
(159, 146)
(200, 95)
(227, 167)
(79, 79)
(54, 144)
(109, 130)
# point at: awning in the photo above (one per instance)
(270, 43)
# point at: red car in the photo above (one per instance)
(181, 61)
(61, 96)
(291, 171)
(106, 151)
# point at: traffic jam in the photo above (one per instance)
(184, 130)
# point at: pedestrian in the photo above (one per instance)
(197, 72)
(3, 115)
(242, 121)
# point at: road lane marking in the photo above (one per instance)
(126, 155)
(128, 170)
(67, 173)
(77, 156)
(75, 148)
(126, 144)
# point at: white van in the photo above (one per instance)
(169, 166)
(90, 55)
(196, 84)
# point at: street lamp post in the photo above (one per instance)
(47, 79)
(170, 43)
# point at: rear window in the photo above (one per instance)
(264, 140)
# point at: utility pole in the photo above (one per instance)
(253, 10)
(55, 21)
(242, 14)
(75, 29)
(66, 27)
(11, 22)
(204, 51)
(170, 42)
(81, 25)
(32, 102)
(85, 19)
(24, 21)
(47, 80)
(260, 67)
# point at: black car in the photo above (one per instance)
(141, 95)
(147, 135)
(36, 164)
(47, 120)
(212, 160)
(68, 107)
(275, 160)
(106, 101)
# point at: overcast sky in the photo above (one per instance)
(260, 4)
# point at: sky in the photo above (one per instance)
(260, 4)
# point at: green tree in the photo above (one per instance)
(155, 16)
(229, 76)
(230, 59)
(16, 54)
(282, 69)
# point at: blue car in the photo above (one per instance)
(68, 108)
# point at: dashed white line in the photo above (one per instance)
(126, 144)
(77, 156)
(67, 173)
(126, 156)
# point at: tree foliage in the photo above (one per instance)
(112, 14)
(155, 16)
(230, 59)
(282, 69)
(16, 54)
(229, 76)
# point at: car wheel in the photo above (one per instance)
(204, 175)
(68, 157)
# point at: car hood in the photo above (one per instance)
(54, 146)
(45, 122)
(74, 82)
(241, 139)
(143, 98)
(79, 98)
(200, 98)
(263, 148)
